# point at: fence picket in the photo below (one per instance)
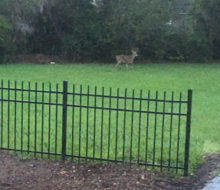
(64, 120)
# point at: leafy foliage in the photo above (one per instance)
(206, 14)
(88, 30)
(5, 37)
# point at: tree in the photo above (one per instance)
(97, 30)
(206, 16)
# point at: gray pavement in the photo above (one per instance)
(214, 184)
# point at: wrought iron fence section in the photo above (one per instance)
(111, 125)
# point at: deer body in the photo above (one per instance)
(126, 58)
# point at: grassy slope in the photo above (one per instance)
(202, 78)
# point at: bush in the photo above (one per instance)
(79, 30)
(5, 38)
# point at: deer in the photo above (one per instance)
(126, 58)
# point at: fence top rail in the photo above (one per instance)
(32, 102)
(41, 89)
(129, 98)
(32, 90)
(127, 110)
(96, 95)
(94, 107)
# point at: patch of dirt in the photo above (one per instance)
(16, 174)
(205, 172)
(37, 58)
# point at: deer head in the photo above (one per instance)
(134, 52)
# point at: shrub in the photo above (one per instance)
(5, 38)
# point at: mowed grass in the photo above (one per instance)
(202, 78)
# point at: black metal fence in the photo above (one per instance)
(143, 128)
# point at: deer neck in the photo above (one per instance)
(133, 55)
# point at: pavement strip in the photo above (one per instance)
(214, 184)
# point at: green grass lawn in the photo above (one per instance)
(204, 79)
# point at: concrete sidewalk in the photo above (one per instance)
(214, 184)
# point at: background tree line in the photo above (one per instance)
(97, 30)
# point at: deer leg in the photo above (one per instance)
(118, 63)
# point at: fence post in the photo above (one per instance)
(188, 125)
(64, 119)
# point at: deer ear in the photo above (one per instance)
(135, 49)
